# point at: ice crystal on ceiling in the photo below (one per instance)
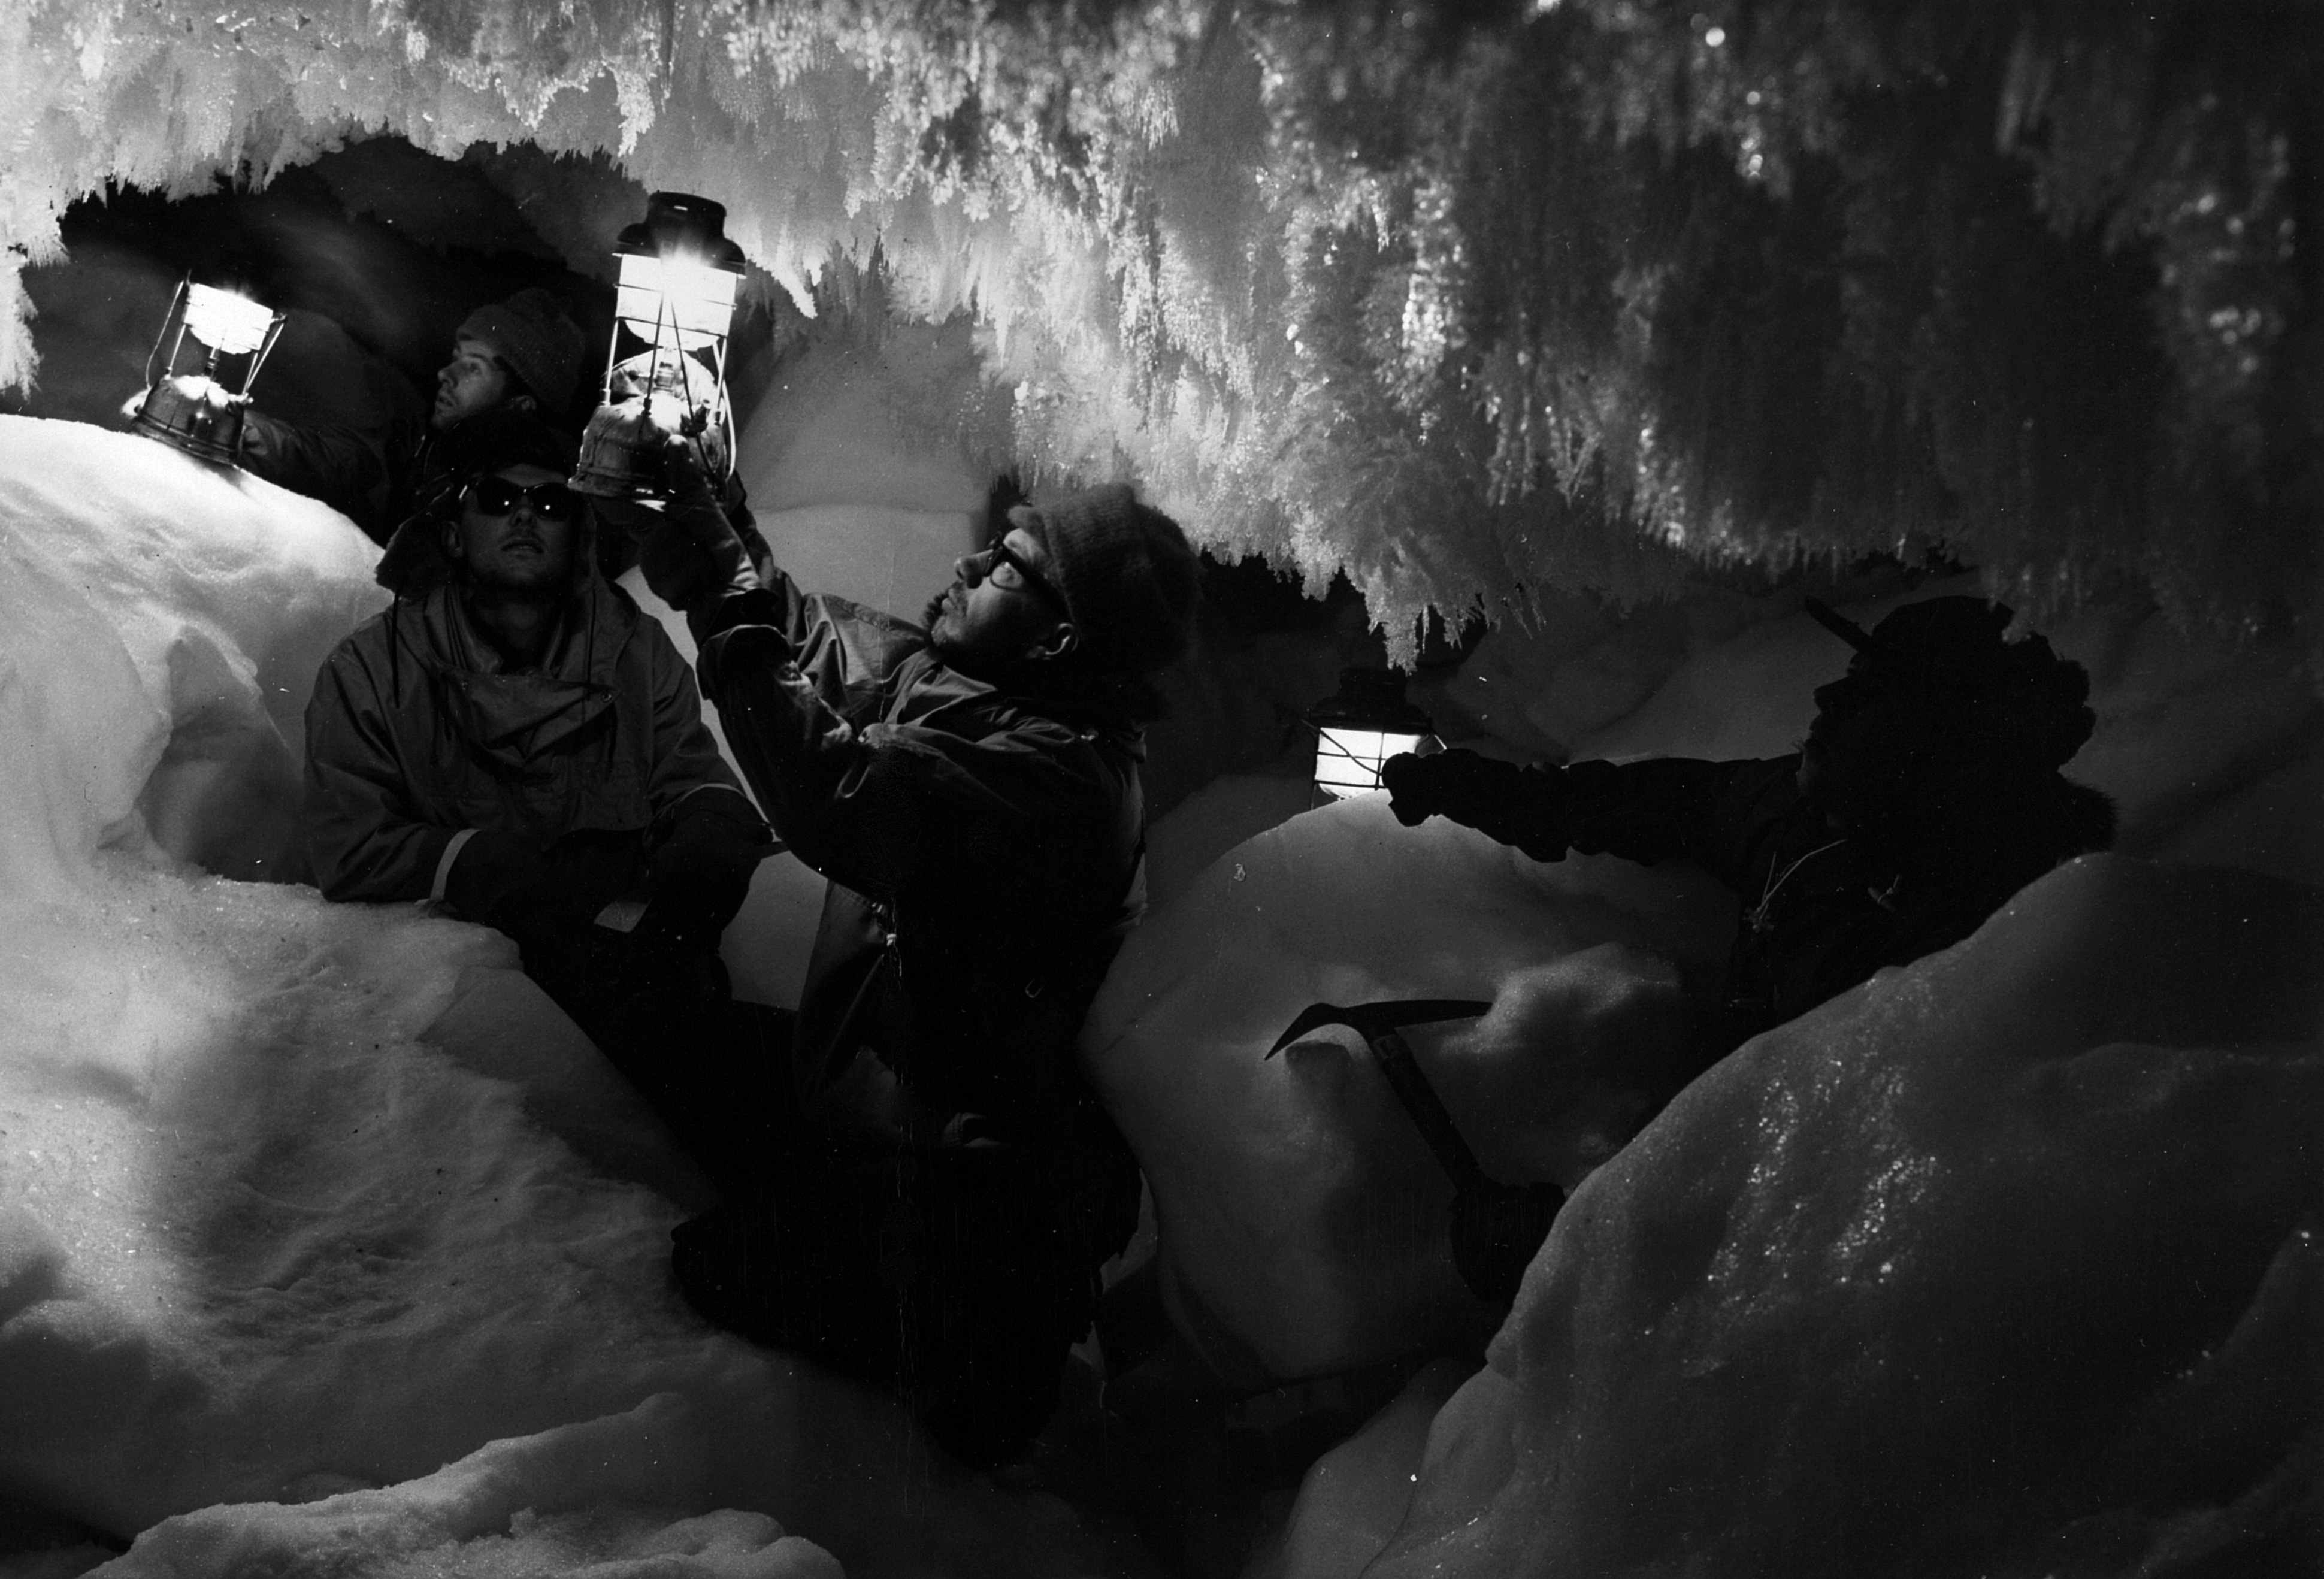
(1468, 301)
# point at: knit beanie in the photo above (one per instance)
(542, 344)
(1127, 575)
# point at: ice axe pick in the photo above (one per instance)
(1495, 1227)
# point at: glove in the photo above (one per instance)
(694, 558)
(497, 876)
(698, 868)
(1529, 808)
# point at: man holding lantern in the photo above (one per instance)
(521, 354)
(932, 1187)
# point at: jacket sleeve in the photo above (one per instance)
(366, 840)
(779, 607)
(345, 468)
(868, 803)
(685, 756)
(1664, 806)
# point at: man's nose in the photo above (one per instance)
(969, 568)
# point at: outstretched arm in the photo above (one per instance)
(345, 468)
(1644, 811)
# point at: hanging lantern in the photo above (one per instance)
(198, 411)
(665, 369)
(1366, 722)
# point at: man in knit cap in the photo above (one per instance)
(927, 1186)
(522, 354)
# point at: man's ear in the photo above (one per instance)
(1057, 642)
(448, 539)
(519, 403)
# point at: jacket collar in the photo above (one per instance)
(511, 716)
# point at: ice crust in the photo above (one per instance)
(305, 1201)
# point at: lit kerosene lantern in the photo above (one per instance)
(198, 411)
(1362, 725)
(665, 369)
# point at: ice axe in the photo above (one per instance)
(1495, 1227)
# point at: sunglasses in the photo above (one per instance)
(997, 553)
(499, 496)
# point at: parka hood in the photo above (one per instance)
(511, 718)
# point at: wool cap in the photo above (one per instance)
(542, 345)
(1127, 575)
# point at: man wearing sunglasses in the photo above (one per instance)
(514, 738)
(935, 1184)
(1926, 793)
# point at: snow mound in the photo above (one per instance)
(165, 620)
(2005, 1262)
(1302, 1218)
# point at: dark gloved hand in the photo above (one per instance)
(493, 873)
(694, 558)
(699, 863)
(1530, 807)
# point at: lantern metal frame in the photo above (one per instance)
(620, 451)
(197, 413)
(1360, 726)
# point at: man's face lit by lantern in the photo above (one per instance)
(1002, 605)
(475, 380)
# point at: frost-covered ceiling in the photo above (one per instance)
(1471, 299)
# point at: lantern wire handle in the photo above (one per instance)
(265, 349)
(177, 314)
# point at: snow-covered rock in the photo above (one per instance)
(2008, 1263)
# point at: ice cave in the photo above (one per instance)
(1569, 361)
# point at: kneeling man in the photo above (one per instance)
(515, 738)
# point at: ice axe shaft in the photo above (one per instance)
(1378, 1024)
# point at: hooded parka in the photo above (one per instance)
(416, 740)
(950, 1185)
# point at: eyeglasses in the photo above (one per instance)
(1000, 558)
(499, 496)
